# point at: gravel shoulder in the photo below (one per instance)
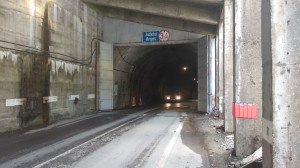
(216, 142)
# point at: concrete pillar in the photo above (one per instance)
(228, 64)
(211, 74)
(247, 73)
(202, 74)
(220, 68)
(217, 73)
(281, 71)
(206, 72)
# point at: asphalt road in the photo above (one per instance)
(157, 137)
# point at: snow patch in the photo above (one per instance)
(67, 67)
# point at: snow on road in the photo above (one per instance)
(156, 142)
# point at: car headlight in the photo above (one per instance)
(178, 97)
(168, 97)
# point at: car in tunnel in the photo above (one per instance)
(173, 98)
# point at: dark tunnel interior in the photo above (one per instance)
(161, 71)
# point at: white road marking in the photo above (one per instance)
(170, 146)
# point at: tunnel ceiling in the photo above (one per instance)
(198, 16)
(151, 57)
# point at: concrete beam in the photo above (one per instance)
(281, 65)
(171, 23)
(248, 74)
(162, 8)
(205, 2)
(228, 65)
(118, 31)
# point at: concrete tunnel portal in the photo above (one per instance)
(241, 52)
(145, 72)
(152, 72)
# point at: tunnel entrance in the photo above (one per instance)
(149, 73)
(152, 74)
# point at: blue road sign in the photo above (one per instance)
(151, 36)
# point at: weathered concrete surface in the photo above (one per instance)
(211, 84)
(105, 75)
(64, 27)
(71, 32)
(21, 73)
(171, 23)
(202, 74)
(124, 32)
(220, 67)
(217, 72)
(267, 101)
(281, 73)
(228, 64)
(248, 74)
(207, 2)
(166, 9)
(123, 69)
(10, 86)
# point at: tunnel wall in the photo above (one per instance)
(122, 75)
(29, 76)
(145, 75)
(131, 83)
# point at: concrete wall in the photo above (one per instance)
(72, 26)
(119, 32)
(281, 133)
(65, 27)
(21, 73)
